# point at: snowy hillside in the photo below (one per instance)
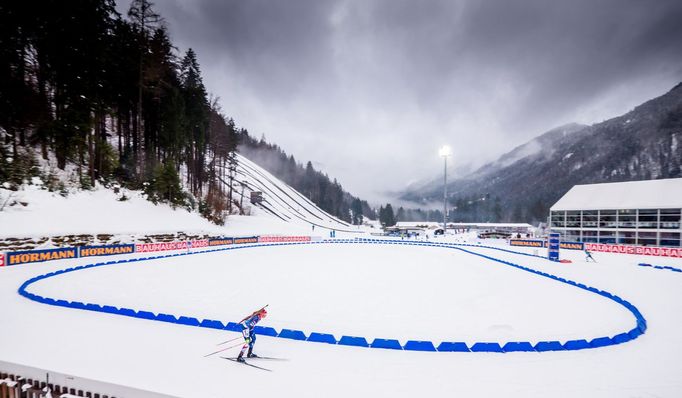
(284, 202)
(33, 211)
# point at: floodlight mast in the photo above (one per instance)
(445, 151)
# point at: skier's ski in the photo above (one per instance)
(247, 364)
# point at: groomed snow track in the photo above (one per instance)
(357, 341)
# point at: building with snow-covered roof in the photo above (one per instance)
(645, 213)
(481, 227)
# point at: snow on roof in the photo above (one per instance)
(408, 224)
(650, 194)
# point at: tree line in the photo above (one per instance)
(109, 95)
(328, 194)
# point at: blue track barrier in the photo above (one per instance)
(574, 345)
(416, 345)
(353, 341)
(166, 318)
(665, 267)
(601, 342)
(390, 344)
(322, 338)
(518, 346)
(621, 338)
(486, 347)
(549, 346)
(212, 324)
(233, 326)
(265, 331)
(127, 312)
(292, 334)
(448, 346)
(188, 320)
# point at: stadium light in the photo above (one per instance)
(445, 151)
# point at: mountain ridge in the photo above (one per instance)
(641, 144)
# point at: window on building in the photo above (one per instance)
(648, 219)
(670, 239)
(670, 219)
(627, 218)
(572, 235)
(607, 219)
(558, 219)
(646, 238)
(590, 236)
(607, 236)
(573, 219)
(590, 219)
(627, 237)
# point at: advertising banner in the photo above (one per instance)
(572, 245)
(553, 247)
(527, 243)
(161, 246)
(166, 246)
(250, 239)
(220, 241)
(36, 256)
(283, 239)
(108, 250)
(196, 244)
(2, 259)
(640, 250)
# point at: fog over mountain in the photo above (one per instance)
(379, 85)
(645, 143)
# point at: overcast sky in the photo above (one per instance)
(368, 90)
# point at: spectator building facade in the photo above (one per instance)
(643, 213)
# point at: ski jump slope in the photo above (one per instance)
(282, 201)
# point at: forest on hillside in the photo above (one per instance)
(110, 95)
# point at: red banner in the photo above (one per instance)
(640, 250)
(280, 239)
(2, 259)
(165, 246)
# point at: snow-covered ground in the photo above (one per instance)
(369, 290)
(387, 291)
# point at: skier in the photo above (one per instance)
(588, 257)
(247, 325)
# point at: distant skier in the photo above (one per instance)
(247, 325)
(588, 257)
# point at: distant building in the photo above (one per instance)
(644, 213)
(521, 228)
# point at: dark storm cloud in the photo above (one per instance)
(377, 85)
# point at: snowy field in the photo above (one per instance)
(385, 291)
(369, 290)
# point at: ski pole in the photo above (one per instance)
(227, 341)
(224, 349)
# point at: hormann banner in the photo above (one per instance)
(166, 246)
(572, 245)
(250, 239)
(641, 250)
(542, 243)
(281, 239)
(527, 243)
(37, 256)
(108, 250)
(220, 241)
